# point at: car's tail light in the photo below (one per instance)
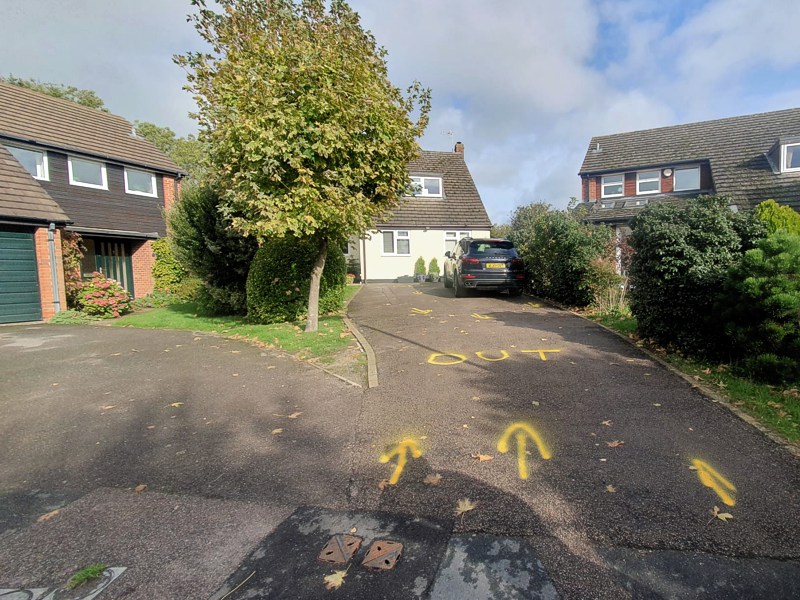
(516, 262)
(470, 261)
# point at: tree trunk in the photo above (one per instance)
(313, 293)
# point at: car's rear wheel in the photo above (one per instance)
(458, 291)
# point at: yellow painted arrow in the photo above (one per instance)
(401, 452)
(419, 311)
(480, 316)
(520, 431)
(711, 478)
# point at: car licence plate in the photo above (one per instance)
(495, 265)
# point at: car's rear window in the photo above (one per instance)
(493, 247)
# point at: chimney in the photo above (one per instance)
(459, 149)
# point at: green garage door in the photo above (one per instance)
(19, 281)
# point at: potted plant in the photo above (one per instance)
(419, 270)
(433, 270)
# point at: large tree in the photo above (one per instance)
(306, 134)
(186, 152)
(59, 90)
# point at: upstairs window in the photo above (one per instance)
(687, 179)
(396, 243)
(791, 157)
(648, 182)
(142, 183)
(427, 186)
(612, 186)
(33, 161)
(87, 173)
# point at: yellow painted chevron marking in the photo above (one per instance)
(713, 479)
(520, 431)
(401, 452)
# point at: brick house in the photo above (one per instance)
(748, 159)
(86, 172)
(446, 208)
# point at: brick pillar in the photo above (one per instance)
(169, 185)
(142, 260)
(46, 273)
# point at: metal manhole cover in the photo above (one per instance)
(382, 555)
(340, 549)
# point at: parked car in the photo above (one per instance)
(484, 264)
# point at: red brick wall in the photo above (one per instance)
(667, 182)
(142, 260)
(594, 188)
(630, 184)
(45, 273)
(169, 191)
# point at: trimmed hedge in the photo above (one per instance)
(280, 277)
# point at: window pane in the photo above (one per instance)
(612, 179)
(649, 186)
(612, 190)
(84, 171)
(433, 186)
(30, 159)
(388, 242)
(649, 175)
(687, 179)
(793, 157)
(403, 246)
(140, 181)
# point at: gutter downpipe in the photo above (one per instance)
(363, 261)
(51, 245)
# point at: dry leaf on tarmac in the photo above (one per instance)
(140, 488)
(432, 479)
(335, 580)
(109, 407)
(611, 489)
(47, 516)
(692, 468)
(294, 415)
(383, 483)
(482, 457)
(464, 506)
(722, 516)
(607, 422)
(176, 404)
(615, 444)
(277, 431)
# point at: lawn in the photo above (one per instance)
(776, 408)
(289, 337)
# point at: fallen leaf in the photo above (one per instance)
(656, 404)
(116, 354)
(615, 444)
(611, 489)
(294, 415)
(140, 488)
(48, 516)
(535, 402)
(722, 516)
(476, 397)
(197, 338)
(151, 426)
(607, 422)
(271, 367)
(464, 506)
(109, 407)
(176, 404)
(423, 437)
(465, 426)
(692, 468)
(432, 479)
(277, 431)
(706, 371)
(482, 457)
(335, 580)
(353, 530)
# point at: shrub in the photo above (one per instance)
(776, 217)
(680, 260)
(72, 253)
(168, 272)
(419, 266)
(205, 242)
(760, 307)
(608, 287)
(280, 276)
(433, 267)
(558, 251)
(103, 297)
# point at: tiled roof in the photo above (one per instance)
(39, 118)
(622, 211)
(736, 149)
(21, 196)
(461, 205)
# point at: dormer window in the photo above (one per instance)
(648, 182)
(612, 186)
(687, 179)
(430, 187)
(141, 183)
(34, 161)
(87, 173)
(791, 157)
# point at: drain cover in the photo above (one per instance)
(382, 555)
(340, 549)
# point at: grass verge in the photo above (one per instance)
(331, 337)
(86, 575)
(776, 408)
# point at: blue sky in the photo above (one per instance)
(523, 83)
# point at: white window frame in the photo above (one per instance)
(639, 180)
(396, 235)
(45, 172)
(675, 178)
(784, 156)
(153, 181)
(418, 180)
(450, 242)
(104, 186)
(603, 184)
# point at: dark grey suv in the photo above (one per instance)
(484, 264)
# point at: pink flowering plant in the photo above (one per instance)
(104, 297)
